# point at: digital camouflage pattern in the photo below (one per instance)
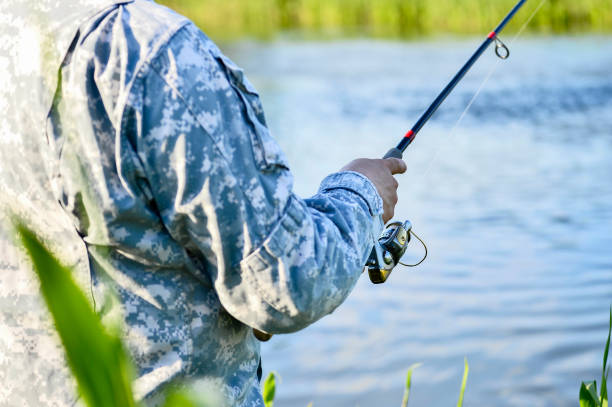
(141, 154)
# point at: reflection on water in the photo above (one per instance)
(516, 208)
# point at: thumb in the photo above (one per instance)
(395, 165)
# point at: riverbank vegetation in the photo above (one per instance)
(386, 18)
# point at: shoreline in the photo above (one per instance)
(386, 19)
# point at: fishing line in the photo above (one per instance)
(453, 132)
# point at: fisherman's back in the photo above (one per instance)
(146, 162)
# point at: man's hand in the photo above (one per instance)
(381, 172)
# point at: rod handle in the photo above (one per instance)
(394, 153)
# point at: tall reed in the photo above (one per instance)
(386, 18)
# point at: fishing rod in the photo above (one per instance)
(392, 244)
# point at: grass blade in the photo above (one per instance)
(96, 358)
(409, 383)
(197, 393)
(463, 383)
(192, 397)
(588, 395)
(269, 390)
(179, 400)
(604, 385)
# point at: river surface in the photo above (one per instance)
(515, 206)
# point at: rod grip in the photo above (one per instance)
(394, 153)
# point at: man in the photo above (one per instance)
(141, 153)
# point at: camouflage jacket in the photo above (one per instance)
(141, 154)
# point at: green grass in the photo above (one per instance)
(95, 355)
(466, 370)
(269, 390)
(408, 384)
(225, 19)
(588, 390)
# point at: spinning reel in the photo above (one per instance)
(389, 249)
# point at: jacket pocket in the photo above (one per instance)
(266, 150)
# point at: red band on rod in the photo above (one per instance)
(409, 134)
(492, 34)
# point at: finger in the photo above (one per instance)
(394, 199)
(388, 214)
(395, 165)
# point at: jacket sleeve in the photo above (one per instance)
(223, 189)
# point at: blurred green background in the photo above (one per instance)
(227, 19)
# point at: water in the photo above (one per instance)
(516, 208)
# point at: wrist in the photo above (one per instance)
(357, 183)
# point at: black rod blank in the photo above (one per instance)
(411, 134)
